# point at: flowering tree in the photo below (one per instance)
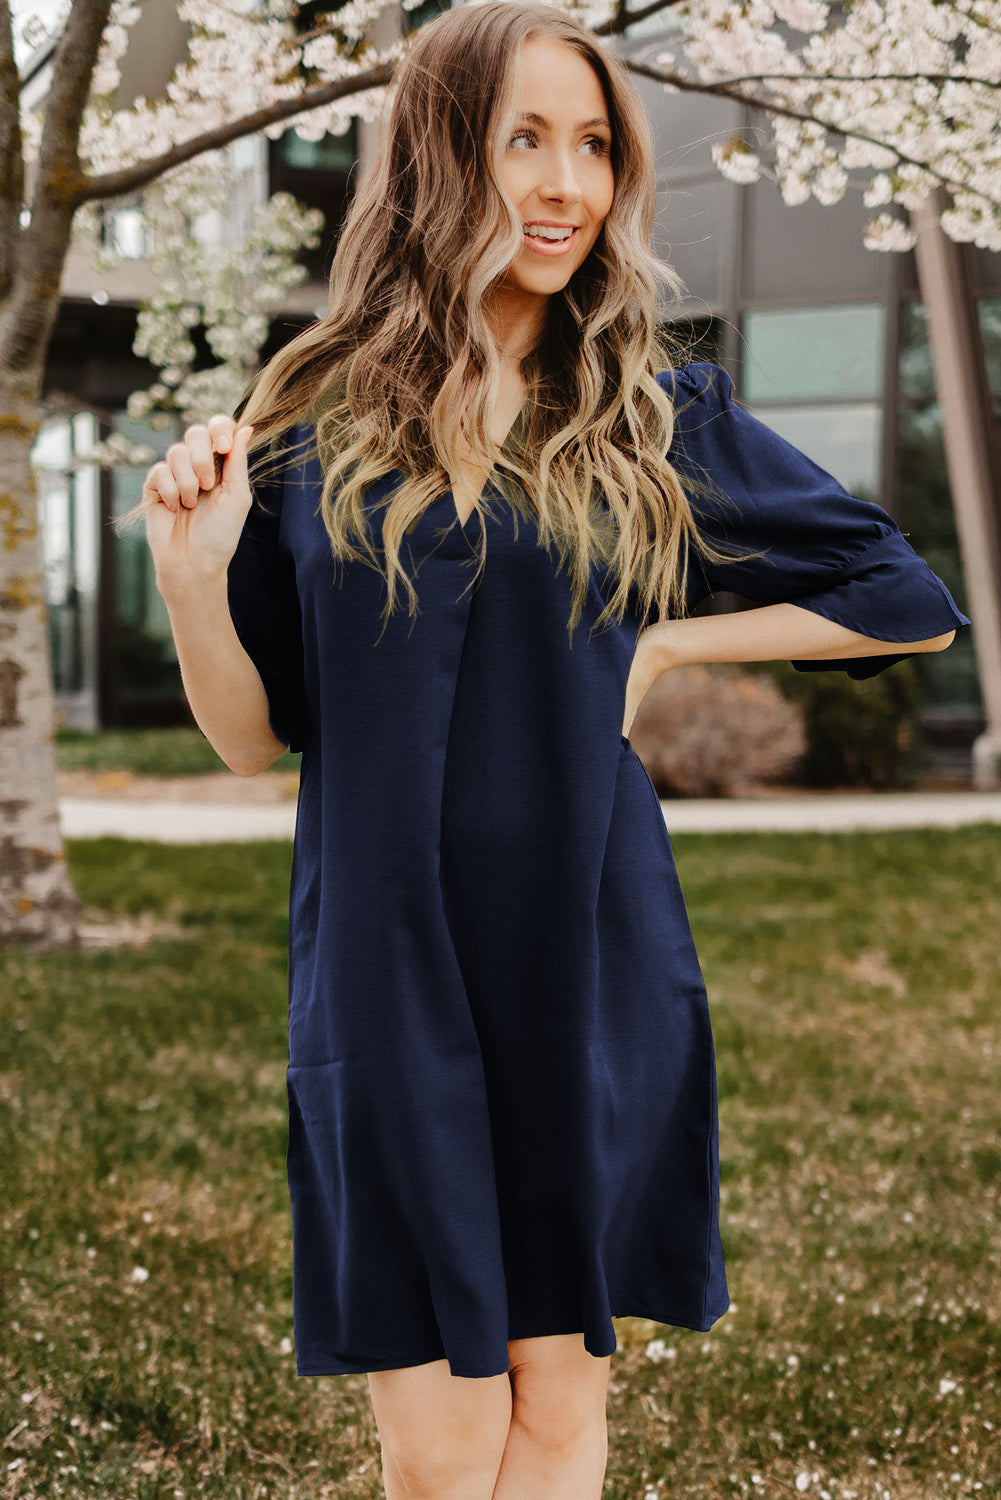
(247, 69)
(229, 288)
(902, 94)
(902, 91)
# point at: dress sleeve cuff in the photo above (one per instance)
(888, 593)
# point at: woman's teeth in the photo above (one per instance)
(545, 233)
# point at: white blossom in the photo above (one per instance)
(227, 288)
(896, 96)
(736, 160)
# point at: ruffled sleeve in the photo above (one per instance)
(790, 532)
(264, 605)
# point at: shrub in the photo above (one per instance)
(857, 733)
(715, 731)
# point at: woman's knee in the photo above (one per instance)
(559, 1390)
(438, 1430)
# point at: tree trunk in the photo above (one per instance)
(37, 905)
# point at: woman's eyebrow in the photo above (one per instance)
(544, 124)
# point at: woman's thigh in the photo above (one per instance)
(432, 1421)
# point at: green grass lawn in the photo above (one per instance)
(182, 751)
(145, 1254)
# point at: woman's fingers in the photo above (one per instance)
(180, 464)
(221, 431)
(209, 456)
(198, 444)
(159, 486)
(235, 467)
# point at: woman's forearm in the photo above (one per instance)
(775, 632)
(221, 682)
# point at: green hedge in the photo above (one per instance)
(858, 733)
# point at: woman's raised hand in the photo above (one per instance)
(194, 513)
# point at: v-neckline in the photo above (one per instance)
(514, 435)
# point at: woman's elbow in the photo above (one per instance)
(938, 642)
(244, 767)
(250, 761)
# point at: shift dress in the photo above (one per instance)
(501, 1082)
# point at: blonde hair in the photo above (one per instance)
(402, 373)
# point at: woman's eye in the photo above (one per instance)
(597, 144)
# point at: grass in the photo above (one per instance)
(145, 752)
(144, 1257)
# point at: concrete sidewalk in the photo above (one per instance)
(214, 822)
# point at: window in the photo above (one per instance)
(331, 153)
(694, 339)
(924, 498)
(815, 375)
(814, 354)
(68, 512)
(145, 666)
(124, 230)
(418, 15)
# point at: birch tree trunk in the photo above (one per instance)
(37, 904)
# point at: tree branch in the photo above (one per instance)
(72, 71)
(787, 112)
(11, 152)
(129, 179)
(624, 18)
(34, 302)
(969, 18)
(987, 83)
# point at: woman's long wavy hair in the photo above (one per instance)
(402, 374)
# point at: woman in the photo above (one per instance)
(501, 1084)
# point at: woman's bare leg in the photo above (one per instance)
(442, 1435)
(557, 1447)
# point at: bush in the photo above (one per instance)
(857, 733)
(716, 731)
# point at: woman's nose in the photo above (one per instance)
(563, 182)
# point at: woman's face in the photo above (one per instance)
(557, 166)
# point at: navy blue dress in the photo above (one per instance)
(502, 1099)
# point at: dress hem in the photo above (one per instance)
(406, 1362)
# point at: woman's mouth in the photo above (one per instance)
(542, 246)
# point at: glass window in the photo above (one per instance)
(124, 230)
(925, 512)
(924, 505)
(69, 517)
(814, 353)
(693, 339)
(693, 232)
(845, 440)
(917, 375)
(331, 153)
(145, 666)
(990, 332)
(416, 16)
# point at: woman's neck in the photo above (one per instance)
(516, 326)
